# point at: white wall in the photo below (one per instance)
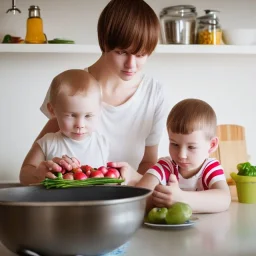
(226, 82)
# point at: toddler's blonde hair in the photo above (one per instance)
(72, 82)
(191, 115)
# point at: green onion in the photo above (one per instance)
(62, 183)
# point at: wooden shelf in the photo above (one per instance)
(95, 49)
(49, 48)
(206, 49)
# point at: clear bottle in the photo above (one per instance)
(178, 24)
(209, 30)
(35, 34)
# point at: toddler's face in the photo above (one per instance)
(189, 151)
(77, 115)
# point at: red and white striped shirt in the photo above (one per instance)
(210, 173)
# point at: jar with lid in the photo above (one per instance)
(35, 34)
(178, 24)
(209, 30)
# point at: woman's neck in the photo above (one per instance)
(107, 79)
(115, 91)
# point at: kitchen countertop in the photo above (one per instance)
(230, 233)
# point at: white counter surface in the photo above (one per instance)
(230, 233)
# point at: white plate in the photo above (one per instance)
(168, 226)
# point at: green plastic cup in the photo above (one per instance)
(246, 188)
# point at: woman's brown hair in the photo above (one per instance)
(192, 115)
(128, 24)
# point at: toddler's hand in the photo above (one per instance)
(57, 164)
(69, 163)
(165, 196)
(46, 169)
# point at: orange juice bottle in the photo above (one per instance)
(35, 34)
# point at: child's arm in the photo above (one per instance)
(34, 168)
(148, 181)
(29, 173)
(216, 199)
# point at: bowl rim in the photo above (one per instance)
(78, 203)
(243, 179)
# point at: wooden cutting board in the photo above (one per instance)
(232, 148)
(230, 132)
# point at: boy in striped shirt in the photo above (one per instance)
(188, 175)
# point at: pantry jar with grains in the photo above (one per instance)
(209, 30)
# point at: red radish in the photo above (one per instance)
(68, 176)
(63, 171)
(80, 176)
(93, 170)
(86, 168)
(88, 173)
(75, 170)
(117, 173)
(103, 169)
(110, 174)
(97, 174)
(110, 164)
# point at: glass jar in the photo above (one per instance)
(209, 30)
(178, 24)
(35, 34)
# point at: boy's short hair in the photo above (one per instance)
(73, 81)
(192, 115)
(128, 24)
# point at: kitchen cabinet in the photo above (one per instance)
(161, 49)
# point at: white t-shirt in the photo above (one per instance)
(93, 150)
(137, 123)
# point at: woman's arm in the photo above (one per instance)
(149, 159)
(51, 126)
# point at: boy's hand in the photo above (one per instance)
(165, 196)
(126, 172)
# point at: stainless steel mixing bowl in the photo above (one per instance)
(75, 221)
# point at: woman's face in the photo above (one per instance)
(124, 64)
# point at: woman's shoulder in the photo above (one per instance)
(152, 82)
(151, 86)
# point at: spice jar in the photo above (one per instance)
(209, 30)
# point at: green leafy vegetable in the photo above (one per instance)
(246, 169)
(62, 183)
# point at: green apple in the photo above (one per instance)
(157, 215)
(178, 213)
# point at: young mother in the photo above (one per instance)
(133, 112)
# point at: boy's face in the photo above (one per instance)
(189, 151)
(77, 115)
(123, 64)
